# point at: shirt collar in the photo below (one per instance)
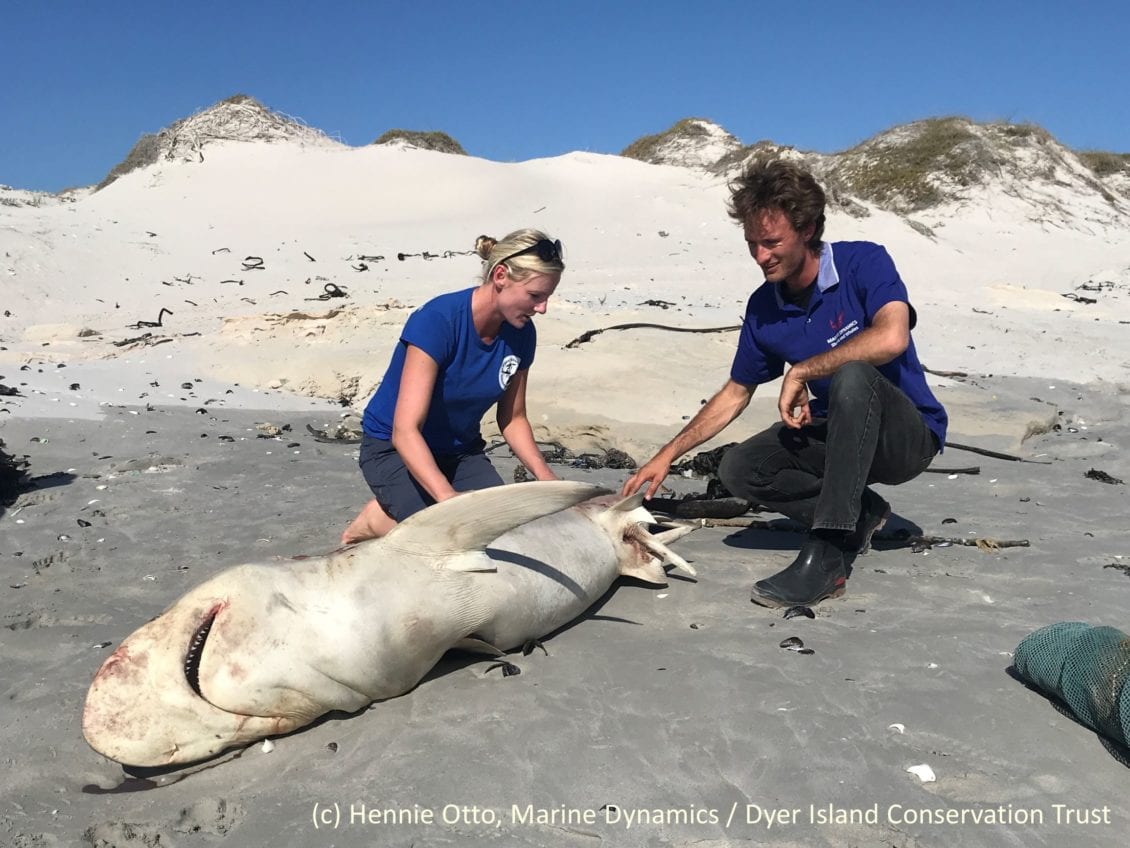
(826, 277)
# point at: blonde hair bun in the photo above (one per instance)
(484, 245)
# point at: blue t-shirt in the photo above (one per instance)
(856, 279)
(472, 375)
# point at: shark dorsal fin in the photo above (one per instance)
(472, 520)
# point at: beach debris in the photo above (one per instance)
(950, 374)
(923, 772)
(100, 645)
(701, 506)
(367, 258)
(558, 454)
(508, 669)
(532, 645)
(231, 282)
(796, 645)
(267, 430)
(1083, 666)
(221, 250)
(308, 256)
(267, 746)
(1102, 477)
(360, 266)
(996, 454)
(332, 747)
(253, 263)
(589, 334)
(144, 340)
(13, 477)
(329, 290)
(662, 304)
(799, 610)
(343, 433)
(157, 323)
(897, 727)
(1078, 298)
(9, 391)
(428, 256)
(953, 472)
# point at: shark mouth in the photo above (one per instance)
(653, 546)
(196, 649)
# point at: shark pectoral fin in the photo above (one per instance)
(469, 561)
(650, 571)
(478, 646)
(473, 520)
(629, 503)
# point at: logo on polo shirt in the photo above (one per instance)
(509, 369)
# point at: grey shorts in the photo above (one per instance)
(397, 491)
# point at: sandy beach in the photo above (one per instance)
(665, 716)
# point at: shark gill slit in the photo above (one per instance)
(196, 649)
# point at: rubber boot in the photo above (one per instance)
(817, 573)
(873, 514)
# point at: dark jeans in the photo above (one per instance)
(817, 474)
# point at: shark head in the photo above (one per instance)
(144, 707)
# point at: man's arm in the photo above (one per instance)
(886, 338)
(727, 404)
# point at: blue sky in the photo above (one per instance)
(80, 82)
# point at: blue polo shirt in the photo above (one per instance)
(472, 375)
(856, 280)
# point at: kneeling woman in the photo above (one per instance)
(459, 354)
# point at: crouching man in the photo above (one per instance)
(833, 318)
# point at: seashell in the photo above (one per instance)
(923, 772)
(793, 612)
(795, 644)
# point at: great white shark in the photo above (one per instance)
(264, 649)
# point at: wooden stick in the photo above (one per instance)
(996, 454)
(584, 337)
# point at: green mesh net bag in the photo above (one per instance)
(1086, 667)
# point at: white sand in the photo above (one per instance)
(987, 287)
(657, 700)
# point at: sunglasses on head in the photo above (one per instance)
(547, 251)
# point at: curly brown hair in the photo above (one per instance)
(774, 184)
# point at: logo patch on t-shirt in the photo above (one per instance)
(509, 369)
